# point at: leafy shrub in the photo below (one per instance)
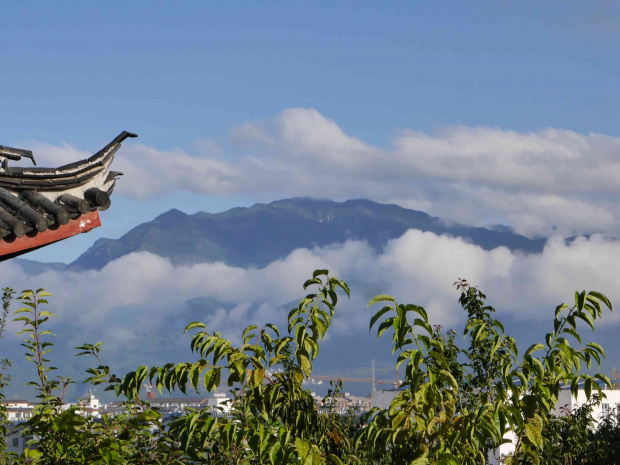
(455, 405)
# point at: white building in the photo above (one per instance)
(177, 404)
(220, 404)
(18, 410)
(566, 403)
(383, 398)
(345, 403)
(90, 407)
(15, 441)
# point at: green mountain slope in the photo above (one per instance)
(257, 235)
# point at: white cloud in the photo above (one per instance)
(140, 294)
(150, 173)
(53, 155)
(540, 182)
(532, 213)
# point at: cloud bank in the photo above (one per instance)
(138, 297)
(541, 183)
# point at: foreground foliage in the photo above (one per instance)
(455, 406)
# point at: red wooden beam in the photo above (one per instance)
(18, 245)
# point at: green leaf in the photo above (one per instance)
(596, 347)
(602, 298)
(384, 325)
(305, 364)
(303, 448)
(587, 387)
(317, 273)
(378, 315)
(274, 453)
(522, 378)
(312, 281)
(195, 324)
(448, 459)
(345, 288)
(274, 328)
(538, 368)
(604, 378)
(588, 319)
(534, 434)
(574, 386)
(258, 375)
(559, 309)
(247, 330)
(573, 333)
(333, 459)
(23, 310)
(381, 298)
(580, 300)
(450, 378)
(533, 348)
(293, 322)
(594, 306)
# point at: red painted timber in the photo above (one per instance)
(19, 245)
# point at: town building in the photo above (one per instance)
(90, 406)
(15, 442)
(344, 403)
(219, 403)
(18, 410)
(382, 398)
(566, 403)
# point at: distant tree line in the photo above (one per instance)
(455, 406)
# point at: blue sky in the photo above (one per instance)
(179, 73)
(479, 112)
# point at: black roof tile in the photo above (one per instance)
(33, 199)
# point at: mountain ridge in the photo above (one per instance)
(264, 232)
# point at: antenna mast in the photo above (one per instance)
(374, 380)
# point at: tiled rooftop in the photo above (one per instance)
(39, 206)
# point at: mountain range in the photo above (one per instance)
(262, 233)
(254, 237)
